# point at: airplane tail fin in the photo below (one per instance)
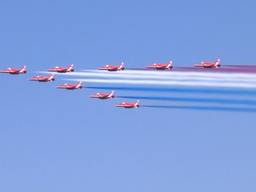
(121, 67)
(79, 85)
(71, 67)
(112, 94)
(51, 76)
(170, 64)
(218, 62)
(137, 103)
(23, 69)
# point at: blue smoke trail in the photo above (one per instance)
(187, 99)
(203, 108)
(180, 90)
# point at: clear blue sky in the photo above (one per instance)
(56, 140)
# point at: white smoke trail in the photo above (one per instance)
(183, 76)
(179, 73)
(171, 78)
(170, 83)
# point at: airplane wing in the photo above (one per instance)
(123, 105)
(200, 65)
(42, 78)
(107, 67)
(56, 69)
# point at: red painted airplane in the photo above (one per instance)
(69, 68)
(112, 67)
(14, 71)
(129, 105)
(209, 64)
(104, 95)
(71, 86)
(161, 66)
(41, 78)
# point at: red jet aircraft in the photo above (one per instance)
(161, 66)
(209, 64)
(104, 95)
(71, 86)
(41, 78)
(14, 71)
(69, 68)
(129, 105)
(112, 67)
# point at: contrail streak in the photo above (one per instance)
(203, 108)
(170, 83)
(162, 78)
(191, 99)
(163, 74)
(219, 91)
(242, 66)
(181, 77)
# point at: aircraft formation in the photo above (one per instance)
(102, 95)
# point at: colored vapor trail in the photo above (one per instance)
(186, 83)
(163, 78)
(183, 90)
(171, 83)
(162, 75)
(203, 108)
(196, 100)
